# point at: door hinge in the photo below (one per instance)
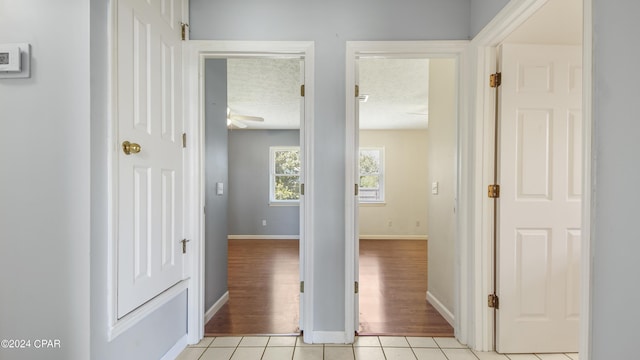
(301, 189)
(494, 191)
(357, 91)
(302, 90)
(493, 301)
(356, 189)
(301, 286)
(184, 245)
(495, 80)
(356, 287)
(184, 27)
(184, 140)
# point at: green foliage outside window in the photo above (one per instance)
(287, 175)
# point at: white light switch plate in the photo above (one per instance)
(434, 188)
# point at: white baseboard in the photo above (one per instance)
(446, 314)
(263, 237)
(328, 337)
(176, 349)
(216, 306)
(394, 237)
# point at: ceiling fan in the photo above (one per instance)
(235, 121)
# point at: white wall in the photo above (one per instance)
(405, 170)
(44, 181)
(441, 168)
(616, 242)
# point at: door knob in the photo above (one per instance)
(130, 148)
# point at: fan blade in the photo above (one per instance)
(237, 124)
(245, 118)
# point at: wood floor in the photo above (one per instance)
(264, 284)
(393, 289)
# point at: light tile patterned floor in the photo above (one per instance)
(364, 348)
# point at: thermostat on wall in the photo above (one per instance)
(14, 60)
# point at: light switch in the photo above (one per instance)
(219, 188)
(434, 188)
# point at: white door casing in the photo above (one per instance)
(149, 184)
(540, 177)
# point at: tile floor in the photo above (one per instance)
(365, 348)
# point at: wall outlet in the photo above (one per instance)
(264, 222)
(434, 188)
(418, 223)
(390, 223)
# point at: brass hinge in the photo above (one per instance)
(301, 189)
(356, 287)
(184, 245)
(357, 91)
(493, 301)
(302, 90)
(184, 27)
(495, 80)
(301, 286)
(494, 191)
(356, 189)
(184, 140)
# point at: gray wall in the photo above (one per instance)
(483, 11)
(154, 336)
(216, 170)
(44, 181)
(329, 23)
(616, 241)
(249, 184)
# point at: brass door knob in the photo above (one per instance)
(130, 148)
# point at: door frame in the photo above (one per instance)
(195, 54)
(399, 49)
(482, 51)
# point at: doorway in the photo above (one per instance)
(406, 118)
(198, 55)
(252, 190)
(358, 52)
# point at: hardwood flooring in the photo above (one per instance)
(264, 283)
(393, 288)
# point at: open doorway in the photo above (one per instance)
(405, 221)
(406, 172)
(253, 172)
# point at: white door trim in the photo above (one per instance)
(398, 49)
(482, 62)
(195, 55)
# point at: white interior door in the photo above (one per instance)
(303, 178)
(150, 182)
(540, 177)
(356, 212)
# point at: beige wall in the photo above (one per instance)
(441, 168)
(404, 213)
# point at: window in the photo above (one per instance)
(284, 183)
(371, 175)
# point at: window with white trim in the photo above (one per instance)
(284, 179)
(371, 188)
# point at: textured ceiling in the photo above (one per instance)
(268, 88)
(397, 92)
